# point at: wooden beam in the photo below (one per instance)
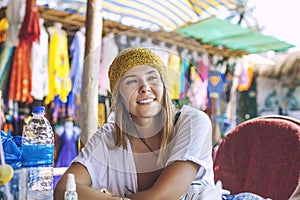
(90, 75)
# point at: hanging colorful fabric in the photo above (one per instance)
(197, 93)
(216, 82)
(5, 66)
(184, 78)
(30, 29)
(174, 70)
(245, 87)
(59, 67)
(20, 78)
(3, 29)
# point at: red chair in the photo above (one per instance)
(261, 156)
(291, 119)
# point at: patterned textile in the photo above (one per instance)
(39, 65)
(30, 29)
(6, 56)
(242, 196)
(58, 65)
(20, 77)
(174, 70)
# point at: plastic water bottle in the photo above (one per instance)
(70, 193)
(38, 155)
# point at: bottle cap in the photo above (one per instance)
(38, 109)
(71, 185)
(6, 173)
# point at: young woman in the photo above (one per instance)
(149, 150)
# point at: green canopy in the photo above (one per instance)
(222, 32)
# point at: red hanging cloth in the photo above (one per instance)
(20, 77)
(30, 29)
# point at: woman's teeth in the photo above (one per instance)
(146, 101)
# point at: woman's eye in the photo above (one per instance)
(129, 82)
(153, 78)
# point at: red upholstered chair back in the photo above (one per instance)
(291, 119)
(262, 156)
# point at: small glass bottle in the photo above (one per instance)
(70, 193)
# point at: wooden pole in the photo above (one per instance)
(89, 89)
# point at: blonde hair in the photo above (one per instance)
(123, 125)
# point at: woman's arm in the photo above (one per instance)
(83, 185)
(172, 183)
(296, 194)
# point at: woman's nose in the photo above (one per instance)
(145, 88)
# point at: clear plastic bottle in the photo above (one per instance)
(38, 155)
(70, 193)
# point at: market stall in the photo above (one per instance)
(278, 85)
(209, 69)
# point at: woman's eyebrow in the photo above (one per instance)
(133, 75)
(151, 72)
(129, 76)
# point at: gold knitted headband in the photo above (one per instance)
(132, 57)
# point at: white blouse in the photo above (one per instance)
(113, 168)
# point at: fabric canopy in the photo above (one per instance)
(220, 32)
(167, 15)
(284, 64)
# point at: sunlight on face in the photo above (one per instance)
(141, 88)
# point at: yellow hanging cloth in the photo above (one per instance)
(59, 67)
(173, 76)
(3, 27)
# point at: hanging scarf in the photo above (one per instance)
(30, 29)
(20, 78)
(5, 65)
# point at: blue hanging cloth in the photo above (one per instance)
(68, 142)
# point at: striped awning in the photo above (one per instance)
(162, 14)
(167, 15)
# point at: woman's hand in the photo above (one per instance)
(172, 183)
(83, 185)
(104, 190)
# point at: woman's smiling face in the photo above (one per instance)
(141, 88)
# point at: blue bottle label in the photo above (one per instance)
(35, 155)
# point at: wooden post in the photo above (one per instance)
(89, 89)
